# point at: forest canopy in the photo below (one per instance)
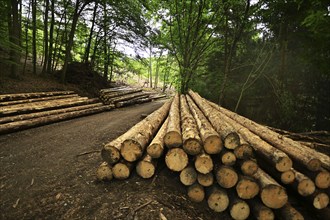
(266, 59)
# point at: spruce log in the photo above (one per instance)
(260, 211)
(126, 97)
(196, 193)
(34, 122)
(146, 167)
(156, 147)
(227, 157)
(37, 99)
(111, 151)
(226, 176)
(321, 177)
(205, 179)
(238, 208)
(138, 100)
(247, 187)
(244, 150)
(114, 89)
(211, 140)
(122, 170)
(16, 118)
(248, 167)
(287, 212)
(273, 195)
(320, 147)
(133, 147)
(188, 176)
(176, 159)
(117, 93)
(217, 199)
(320, 200)
(190, 134)
(104, 172)
(173, 134)
(18, 96)
(295, 150)
(203, 163)
(228, 134)
(302, 184)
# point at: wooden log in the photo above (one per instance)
(273, 195)
(247, 187)
(16, 118)
(122, 170)
(226, 176)
(104, 172)
(238, 208)
(227, 157)
(111, 151)
(205, 179)
(190, 134)
(321, 177)
(260, 211)
(248, 167)
(126, 97)
(302, 184)
(211, 140)
(156, 147)
(188, 176)
(138, 100)
(146, 167)
(176, 159)
(196, 193)
(203, 163)
(217, 199)
(133, 147)
(228, 134)
(37, 99)
(288, 212)
(300, 153)
(320, 147)
(319, 199)
(19, 96)
(43, 106)
(173, 134)
(244, 151)
(34, 122)
(117, 93)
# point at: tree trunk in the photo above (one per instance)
(51, 36)
(26, 38)
(156, 147)
(14, 39)
(188, 176)
(46, 46)
(89, 42)
(218, 199)
(34, 36)
(190, 134)
(173, 136)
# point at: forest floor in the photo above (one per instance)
(43, 175)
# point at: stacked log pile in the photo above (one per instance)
(125, 96)
(229, 161)
(26, 110)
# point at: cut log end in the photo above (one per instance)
(173, 139)
(155, 150)
(284, 164)
(121, 171)
(218, 201)
(188, 176)
(274, 196)
(314, 164)
(290, 213)
(145, 169)
(247, 189)
(176, 159)
(192, 146)
(240, 210)
(228, 158)
(306, 187)
(110, 154)
(321, 201)
(204, 163)
(226, 177)
(196, 193)
(265, 213)
(213, 145)
(232, 141)
(243, 151)
(322, 179)
(131, 150)
(205, 179)
(249, 167)
(287, 177)
(104, 172)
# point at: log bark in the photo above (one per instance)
(146, 167)
(156, 147)
(238, 208)
(212, 142)
(205, 180)
(260, 211)
(300, 153)
(37, 99)
(273, 195)
(203, 163)
(104, 172)
(247, 187)
(173, 134)
(19, 96)
(288, 212)
(226, 176)
(196, 193)
(16, 118)
(228, 134)
(217, 199)
(34, 122)
(188, 176)
(190, 134)
(227, 157)
(133, 147)
(176, 159)
(122, 170)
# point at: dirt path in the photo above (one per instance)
(41, 176)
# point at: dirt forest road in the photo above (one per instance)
(42, 176)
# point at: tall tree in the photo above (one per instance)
(44, 68)
(34, 36)
(51, 36)
(89, 42)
